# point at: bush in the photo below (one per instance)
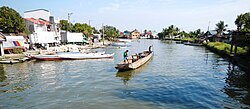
(224, 47)
(17, 51)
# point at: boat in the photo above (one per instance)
(72, 56)
(121, 43)
(47, 57)
(193, 44)
(135, 61)
(81, 56)
(125, 40)
(8, 61)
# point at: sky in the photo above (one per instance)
(188, 15)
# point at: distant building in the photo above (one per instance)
(125, 34)
(213, 36)
(135, 34)
(43, 27)
(2, 39)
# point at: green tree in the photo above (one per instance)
(170, 31)
(64, 25)
(110, 32)
(10, 20)
(95, 31)
(243, 22)
(82, 28)
(220, 28)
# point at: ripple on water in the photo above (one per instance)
(178, 76)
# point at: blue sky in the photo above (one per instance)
(188, 15)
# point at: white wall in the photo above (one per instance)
(71, 37)
(37, 14)
(43, 37)
(74, 37)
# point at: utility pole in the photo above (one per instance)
(69, 14)
(103, 33)
(89, 22)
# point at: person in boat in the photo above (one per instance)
(150, 49)
(125, 55)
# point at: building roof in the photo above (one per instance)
(212, 32)
(38, 21)
(36, 10)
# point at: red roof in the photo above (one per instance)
(37, 21)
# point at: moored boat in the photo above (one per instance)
(47, 57)
(193, 44)
(8, 61)
(72, 56)
(135, 61)
(121, 43)
(86, 56)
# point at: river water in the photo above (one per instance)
(178, 76)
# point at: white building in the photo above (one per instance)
(43, 27)
(37, 14)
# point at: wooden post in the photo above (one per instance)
(235, 50)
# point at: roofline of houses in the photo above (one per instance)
(36, 10)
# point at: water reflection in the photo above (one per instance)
(238, 84)
(2, 73)
(11, 78)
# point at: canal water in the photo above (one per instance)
(177, 77)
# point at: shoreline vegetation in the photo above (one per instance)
(223, 49)
(185, 39)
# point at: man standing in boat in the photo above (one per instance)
(150, 49)
(125, 55)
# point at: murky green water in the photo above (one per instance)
(178, 76)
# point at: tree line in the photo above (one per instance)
(110, 32)
(242, 22)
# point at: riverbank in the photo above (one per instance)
(69, 47)
(223, 49)
(181, 39)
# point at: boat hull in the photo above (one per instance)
(74, 56)
(86, 56)
(134, 65)
(48, 57)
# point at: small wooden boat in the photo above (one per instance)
(72, 56)
(121, 43)
(135, 61)
(47, 57)
(8, 61)
(81, 56)
(193, 44)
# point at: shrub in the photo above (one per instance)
(17, 51)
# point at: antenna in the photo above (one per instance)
(208, 26)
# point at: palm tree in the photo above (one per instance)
(220, 28)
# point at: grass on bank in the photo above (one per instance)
(224, 47)
(185, 39)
